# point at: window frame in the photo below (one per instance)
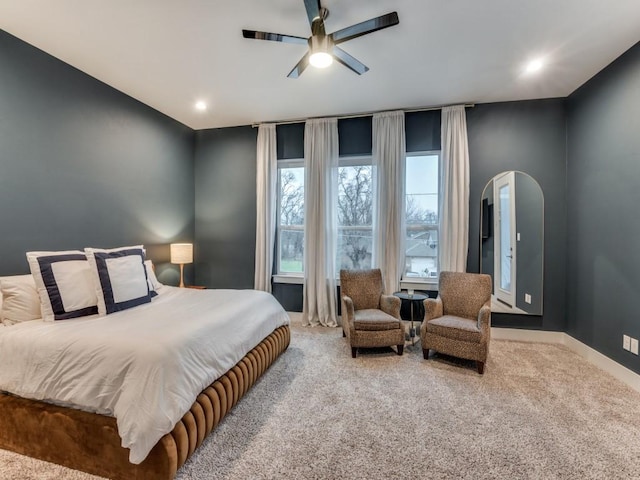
(420, 282)
(356, 161)
(280, 275)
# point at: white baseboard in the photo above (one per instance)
(612, 367)
(519, 335)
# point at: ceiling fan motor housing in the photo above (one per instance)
(320, 43)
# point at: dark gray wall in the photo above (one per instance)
(225, 207)
(603, 200)
(530, 137)
(82, 164)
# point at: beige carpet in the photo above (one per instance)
(539, 412)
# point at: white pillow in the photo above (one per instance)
(64, 283)
(152, 280)
(19, 300)
(119, 277)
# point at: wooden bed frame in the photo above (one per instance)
(90, 442)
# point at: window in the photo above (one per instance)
(354, 210)
(355, 213)
(290, 235)
(421, 210)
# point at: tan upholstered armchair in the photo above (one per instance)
(369, 317)
(458, 322)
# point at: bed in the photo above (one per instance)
(131, 395)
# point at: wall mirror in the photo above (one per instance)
(512, 242)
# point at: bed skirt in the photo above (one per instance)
(90, 442)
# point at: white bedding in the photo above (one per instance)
(144, 366)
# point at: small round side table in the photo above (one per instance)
(411, 298)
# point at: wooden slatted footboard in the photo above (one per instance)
(90, 442)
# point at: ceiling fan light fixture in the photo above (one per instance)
(320, 46)
(320, 59)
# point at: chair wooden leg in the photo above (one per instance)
(400, 349)
(480, 367)
(354, 350)
(425, 353)
(343, 334)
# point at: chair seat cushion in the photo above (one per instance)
(373, 319)
(456, 328)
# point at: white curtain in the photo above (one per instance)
(454, 191)
(389, 166)
(266, 181)
(320, 222)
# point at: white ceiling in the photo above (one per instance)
(170, 53)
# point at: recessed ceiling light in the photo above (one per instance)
(201, 106)
(534, 65)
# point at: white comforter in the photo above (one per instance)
(144, 366)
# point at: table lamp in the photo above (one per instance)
(181, 253)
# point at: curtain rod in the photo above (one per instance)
(358, 115)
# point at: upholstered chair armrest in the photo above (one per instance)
(348, 311)
(484, 318)
(391, 305)
(432, 308)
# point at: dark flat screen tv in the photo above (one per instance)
(487, 218)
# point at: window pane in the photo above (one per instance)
(422, 189)
(291, 250)
(292, 196)
(422, 216)
(505, 237)
(354, 248)
(422, 252)
(291, 217)
(355, 217)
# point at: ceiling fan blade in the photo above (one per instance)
(275, 37)
(348, 61)
(368, 26)
(299, 68)
(313, 10)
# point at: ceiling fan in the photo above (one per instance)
(323, 48)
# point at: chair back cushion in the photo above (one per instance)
(463, 294)
(364, 287)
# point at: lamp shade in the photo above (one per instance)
(182, 253)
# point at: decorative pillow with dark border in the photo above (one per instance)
(120, 278)
(64, 283)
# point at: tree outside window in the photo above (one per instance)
(291, 219)
(355, 217)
